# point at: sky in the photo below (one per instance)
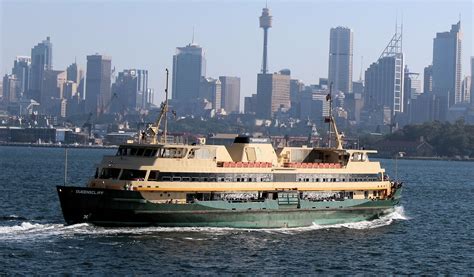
(144, 34)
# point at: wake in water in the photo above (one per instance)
(37, 230)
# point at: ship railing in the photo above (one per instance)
(245, 164)
(312, 165)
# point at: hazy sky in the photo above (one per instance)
(145, 34)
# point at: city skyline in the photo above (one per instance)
(306, 55)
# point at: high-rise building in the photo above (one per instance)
(340, 59)
(447, 66)
(250, 104)
(41, 60)
(10, 88)
(410, 85)
(428, 79)
(131, 90)
(75, 73)
(273, 94)
(189, 66)
(52, 91)
(472, 77)
(314, 105)
(230, 87)
(211, 90)
(384, 80)
(466, 90)
(22, 70)
(98, 91)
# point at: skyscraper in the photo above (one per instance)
(273, 94)
(98, 90)
(131, 89)
(189, 66)
(230, 87)
(428, 79)
(10, 88)
(22, 70)
(41, 60)
(466, 90)
(211, 90)
(447, 66)
(384, 79)
(52, 92)
(340, 59)
(472, 77)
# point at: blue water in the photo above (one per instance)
(432, 233)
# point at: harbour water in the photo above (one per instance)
(431, 233)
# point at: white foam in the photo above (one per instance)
(398, 213)
(37, 230)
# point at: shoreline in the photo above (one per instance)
(47, 145)
(425, 158)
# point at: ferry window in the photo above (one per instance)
(140, 151)
(195, 179)
(176, 179)
(204, 179)
(133, 151)
(110, 173)
(133, 175)
(306, 180)
(186, 179)
(238, 179)
(317, 179)
(166, 178)
(148, 152)
(153, 176)
(221, 179)
(212, 179)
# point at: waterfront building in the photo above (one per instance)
(98, 78)
(41, 61)
(230, 93)
(340, 59)
(189, 66)
(447, 67)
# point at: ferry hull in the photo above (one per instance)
(104, 207)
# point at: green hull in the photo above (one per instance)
(129, 208)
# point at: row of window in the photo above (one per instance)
(154, 175)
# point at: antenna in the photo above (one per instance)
(192, 41)
(329, 98)
(166, 104)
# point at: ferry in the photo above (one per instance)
(248, 184)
